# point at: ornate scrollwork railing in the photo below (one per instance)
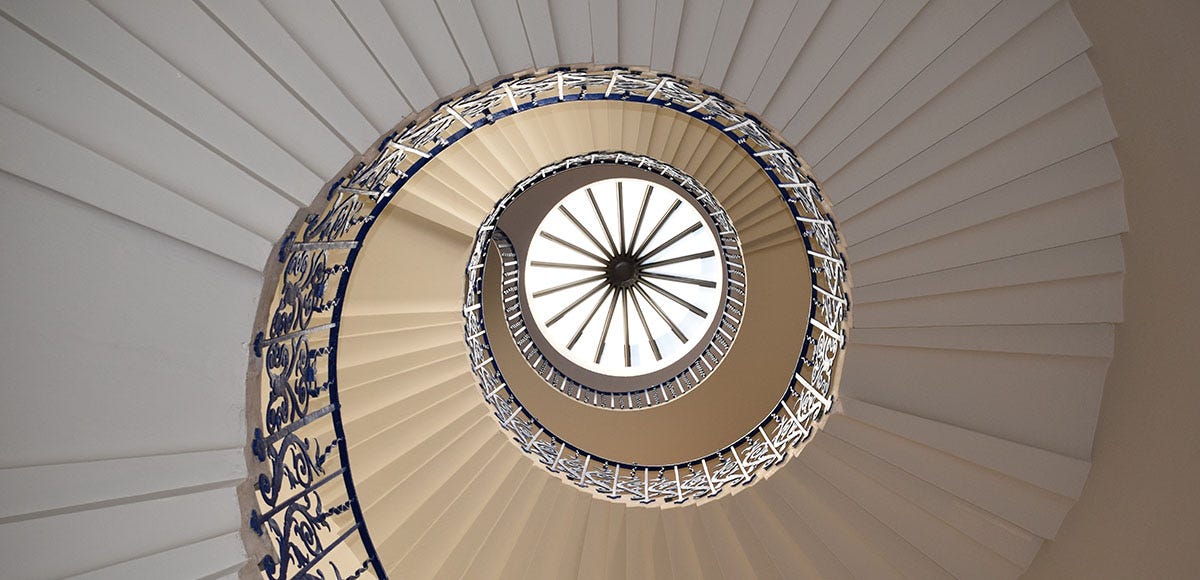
(300, 441)
(306, 504)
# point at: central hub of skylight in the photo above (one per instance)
(623, 276)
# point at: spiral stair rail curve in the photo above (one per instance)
(964, 146)
(319, 258)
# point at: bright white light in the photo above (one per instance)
(624, 277)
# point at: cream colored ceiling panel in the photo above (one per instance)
(631, 125)
(683, 139)
(395, 452)
(376, 346)
(766, 218)
(773, 224)
(507, 144)
(546, 540)
(666, 127)
(718, 165)
(735, 181)
(606, 558)
(545, 544)
(467, 192)
(748, 198)
(446, 551)
(779, 242)
(564, 544)
(693, 158)
(600, 550)
(414, 504)
(521, 538)
(404, 396)
(500, 169)
(648, 127)
(595, 552)
(430, 246)
(800, 530)
(421, 366)
(366, 368)
(362, 325)
(530, 139)
(491, 467)
(613, 552)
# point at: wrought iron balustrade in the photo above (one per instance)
(306, 502)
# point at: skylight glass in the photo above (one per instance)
(624, 276)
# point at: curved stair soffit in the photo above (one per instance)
(965, 147)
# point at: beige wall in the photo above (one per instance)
(1139, 516)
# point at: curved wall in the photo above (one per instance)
(1138, 514)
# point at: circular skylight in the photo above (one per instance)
(624, 276)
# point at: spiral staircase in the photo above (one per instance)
(155, 154)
